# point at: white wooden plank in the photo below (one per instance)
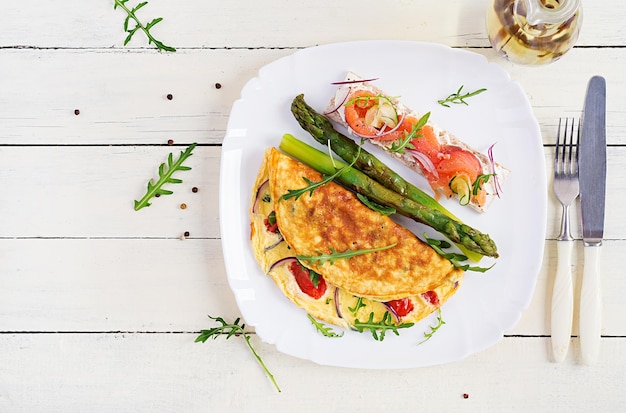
(122, 95)
(88, 191)
(172, 285)
(277, 23)
(168, 372)
(112, 285)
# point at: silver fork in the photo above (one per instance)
(566, 190)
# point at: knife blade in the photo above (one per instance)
(592, 178)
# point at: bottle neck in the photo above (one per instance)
(548, 11)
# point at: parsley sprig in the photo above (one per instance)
(131, 15)
(334, 255)
(324, 329)
(405, 143)
(380, 328)
(459, 98)
(235, 329)
(455, 258)
(165, 177)
(433, 329)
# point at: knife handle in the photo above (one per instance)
(562, 302)
(590, 306)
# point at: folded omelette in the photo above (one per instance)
(403, 276)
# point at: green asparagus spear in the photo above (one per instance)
(459, 233)
(323, 131)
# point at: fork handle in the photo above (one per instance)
(562, 302)
(590, 306)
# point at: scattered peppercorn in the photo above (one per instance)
(194, 189)
(218, 86)
(465, 396)
(169, 96)
(76, 112)
(157, 195)
(170, 141)
(183, 206)
(186, 233)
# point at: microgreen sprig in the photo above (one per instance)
(323, 329)
(230, 330)
(455, 258)
(131, 15)
(165, 177)
(433, 329)
(321, 258)
(405, 143)
(380, 328)
(458, 98)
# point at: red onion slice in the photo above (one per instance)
(341, 100)
(424, 161)
(393, 312)
(496, 181)
(349, 82)
(275, 244)
(337, 305)
(282, 261)
(259, 196)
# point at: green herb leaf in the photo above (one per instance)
(458, 98)
(478, 183)
(230, 330)
(433, 329)
(321, 258)
(325, 330)
(131, 15)
(405, 143)
(359, 304)
(379, 328)
(165, 177)
(455, 258)
(297, 193)
(385, 210)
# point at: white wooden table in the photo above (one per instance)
(100, 304)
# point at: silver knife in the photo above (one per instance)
(592, 177)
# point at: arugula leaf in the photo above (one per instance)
(405, 143)
(235, 329)
(321, 258)
(380, 328)
(385, 210)
(131, 15)
(455, 258)
(359, 304)
(165, 177)
(325, 330)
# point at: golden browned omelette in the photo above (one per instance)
(313, 291)
(333, 219)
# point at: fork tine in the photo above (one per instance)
(556, 149)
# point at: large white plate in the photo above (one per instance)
(487, 305)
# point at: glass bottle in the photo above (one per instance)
(533, 32)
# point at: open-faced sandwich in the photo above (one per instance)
(339, 260)
(452, 167)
